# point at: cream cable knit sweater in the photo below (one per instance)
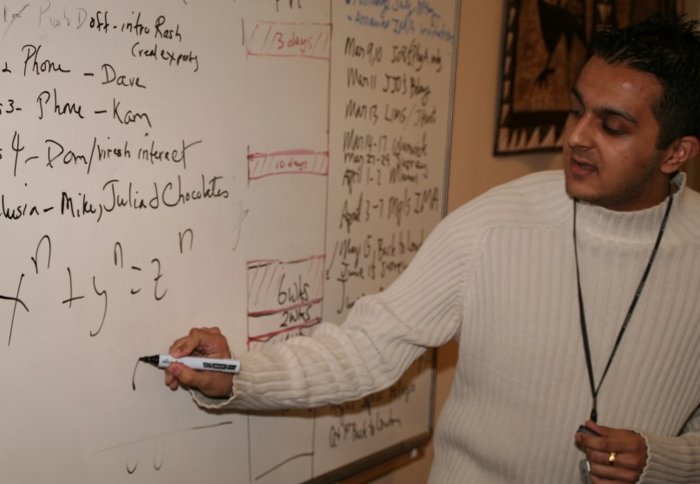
(498, 275)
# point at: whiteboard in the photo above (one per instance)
(255, 165)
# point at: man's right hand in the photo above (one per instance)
(204, 342)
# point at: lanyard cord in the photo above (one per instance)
(582, 315)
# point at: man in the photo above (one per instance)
(574, 298)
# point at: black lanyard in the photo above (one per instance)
(584, 331)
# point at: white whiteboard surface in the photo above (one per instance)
(256, 165)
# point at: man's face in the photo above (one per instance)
(610, 155)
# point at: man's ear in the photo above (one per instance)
(680, 151)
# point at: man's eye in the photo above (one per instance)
(612, 131)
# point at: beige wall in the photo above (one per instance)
(474, 169)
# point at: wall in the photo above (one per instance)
(474, 169)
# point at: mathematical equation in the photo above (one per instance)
(149, 276)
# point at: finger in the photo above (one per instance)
(183, 346)
(630, 448)
(180, 374)
(212, 384)
(614, 466)
(212, 343)
(174, 385)
(606, 459)
(605, 434)
(600, 480)
(607, 473)
(171, 381)
(191, 343)
(612, 439)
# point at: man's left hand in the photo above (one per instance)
(615, 455)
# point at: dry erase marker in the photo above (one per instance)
(196, 363)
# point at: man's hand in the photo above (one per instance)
(205, 342)
(615, 455)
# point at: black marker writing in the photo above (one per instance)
(156, 293)
(133, 377)
(45, 98)
(71, 298)
(104, 314)
(16, 300)
(189, 233)
(35, 259)
(37, 65)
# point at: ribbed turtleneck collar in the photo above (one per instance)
(641, 226)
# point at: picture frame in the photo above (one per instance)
(545, 44)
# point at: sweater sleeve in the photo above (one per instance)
(383, 334)
(674, 459)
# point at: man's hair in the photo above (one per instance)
(669, 48)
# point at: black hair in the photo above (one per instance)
(667, 46)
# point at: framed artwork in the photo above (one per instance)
(545, 44)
